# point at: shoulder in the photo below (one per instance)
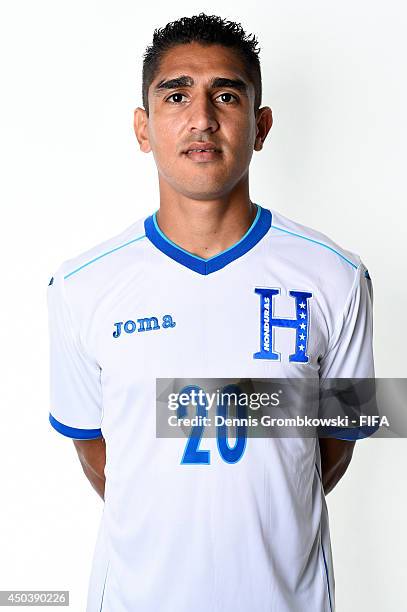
(314, 254)
(87, 275)
(108, 253)
(312, 243)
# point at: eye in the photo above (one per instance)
(229, 98)
(226, 93)
(180, 95)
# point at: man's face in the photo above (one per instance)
(211, 105)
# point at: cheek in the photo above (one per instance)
(242, 134)
(164, 148)
(163, 140)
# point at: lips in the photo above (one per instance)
(201, 147)
(198, 150)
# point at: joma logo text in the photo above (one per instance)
(142, 325)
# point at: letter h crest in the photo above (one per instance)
(268, 322)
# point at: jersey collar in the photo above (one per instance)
(254, 234)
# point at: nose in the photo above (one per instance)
(202, 114)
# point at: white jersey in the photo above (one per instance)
(201, 532)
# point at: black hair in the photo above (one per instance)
(206, 30)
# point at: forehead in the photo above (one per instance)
(201, 62)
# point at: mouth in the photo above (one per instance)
(204, 152)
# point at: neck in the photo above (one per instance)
(206, 227)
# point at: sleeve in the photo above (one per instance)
(75, 378)
(347, 383)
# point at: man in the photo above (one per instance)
(211, 285)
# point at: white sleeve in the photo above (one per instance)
(75, 378)
(350, 353)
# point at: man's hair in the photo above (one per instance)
(206, 30)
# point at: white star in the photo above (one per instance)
(303, 326)
(301, 347)
(303, 315)
(302, 305)
(302, 337)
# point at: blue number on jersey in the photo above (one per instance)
(192, 454)
(230, 454)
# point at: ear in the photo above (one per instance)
(264, 121)
(141, 129)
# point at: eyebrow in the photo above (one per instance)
(187, 81)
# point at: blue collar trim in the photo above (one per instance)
(254, 234)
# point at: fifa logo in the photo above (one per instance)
(268, 322)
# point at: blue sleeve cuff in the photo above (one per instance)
(74, 432)
(347, 433)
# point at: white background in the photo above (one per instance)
(334, 74)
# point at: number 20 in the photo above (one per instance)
(231, 454)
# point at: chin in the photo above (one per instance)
(204, 189)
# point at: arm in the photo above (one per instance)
(349, 356)
(335, 458)
(92, 455)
